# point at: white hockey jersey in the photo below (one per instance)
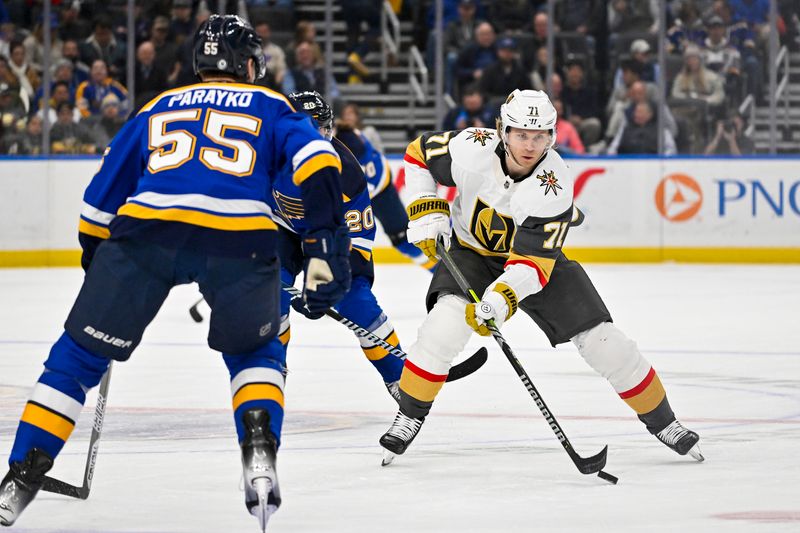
(523, 220)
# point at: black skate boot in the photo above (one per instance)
(681, 440)
(398, 438)
(261, 492)
(23, 481)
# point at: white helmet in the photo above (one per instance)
(530, 110)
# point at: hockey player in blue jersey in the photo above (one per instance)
(388, 208)
(359, 304)
(181, 197)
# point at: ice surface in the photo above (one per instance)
(725, 340)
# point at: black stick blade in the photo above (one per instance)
(59, 487)
(195, 313)
(469, 365)
(590, 465)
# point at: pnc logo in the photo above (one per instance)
(678, 197)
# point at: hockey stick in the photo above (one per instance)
(194, 312)
(60, 487)
(458, 371)
(587, 465)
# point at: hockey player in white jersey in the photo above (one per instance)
(509, 221)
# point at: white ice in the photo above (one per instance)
(725, 340)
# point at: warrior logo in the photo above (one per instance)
(480, 136)
(493, 230)
(549, 182)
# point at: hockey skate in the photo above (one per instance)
(398, 438)
(394, 390)
(21, 484)
(681, 440)
(261, 492)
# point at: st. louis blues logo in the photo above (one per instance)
(480, 136)
(549, 182)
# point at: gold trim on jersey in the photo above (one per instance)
(544, 264)
(415, 152)
(206, 220)
(315, 163)
(493, 231)
(92, 229)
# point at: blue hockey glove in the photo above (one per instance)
(327, 268)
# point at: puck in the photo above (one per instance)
(608, 477)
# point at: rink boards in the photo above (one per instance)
(637, 210)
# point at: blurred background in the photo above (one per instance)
(628, 76)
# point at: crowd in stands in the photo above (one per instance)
(606, 74)
(604, 82)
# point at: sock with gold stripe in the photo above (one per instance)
(57, 398)
(257, 381)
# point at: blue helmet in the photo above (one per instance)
(224, 43)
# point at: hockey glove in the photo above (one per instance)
(428, 218)
(327, 268)
(497, 304)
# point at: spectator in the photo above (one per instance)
(754, 13)
(631, 72)
(648, 68)
(28, 141)
(69, 137)
(12, 109)
(458, 34)
(104, 126)
(718, 55)
(506, 74)
(580, 102)
(91, 92)
(186, 75)
(34, 44)
(308, 75)
(531, 53)
(7, 77)
(182, 24)
(567, 139)
(638, 92)
(27, 78)
(357, 13)
(697, 82)
(730, 138)
(304, 32)
(477, 55)
(151, 80)
(102, 44)
(640, 135)
(472, 113)
(687, 28)
(58, 93)
(274, 54)
(350, 117)
(80, 70)
(166, 51)
(72, 27)
(632, 16)
(539, 73)
(510, 15)
(580, 16)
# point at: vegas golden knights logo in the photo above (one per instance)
(493, 230)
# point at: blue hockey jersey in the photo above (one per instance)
(196, 167)
(285, 202)
(376, 167)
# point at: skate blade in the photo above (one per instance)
(696, 454)
(388, 457)
(263, 487)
